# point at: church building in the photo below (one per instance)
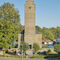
(29, 35)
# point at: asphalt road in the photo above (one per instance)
(5, 58)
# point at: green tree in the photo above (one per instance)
(54, 31)
(24, 46)
(36, 47)
(57, 48)
(48, 35)
(9, 25)
(7, 34)
(8, 12)
(38, 29)
(58, 31)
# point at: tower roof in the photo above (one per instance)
(29, 0)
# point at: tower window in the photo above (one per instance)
(29, 7)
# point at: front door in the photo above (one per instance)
(30, 46)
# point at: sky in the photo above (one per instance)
(47, 11)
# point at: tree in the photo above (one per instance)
(9, 25)
(48, 35)
(38, 29)
(58, 31)
(9, 13)
(54, 31)
(36, 47)
(57, 48)
(24, 46)
(7, 34)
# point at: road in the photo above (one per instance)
(5, 58)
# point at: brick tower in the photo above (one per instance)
(30, 36)
(29, 22)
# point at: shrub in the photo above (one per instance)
(6, 51)
(36, 47)
(45, 52)
(14, 52)
(49, 51)
(24, 46)
(57, 48)
(45, 46)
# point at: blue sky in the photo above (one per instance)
(47, 11)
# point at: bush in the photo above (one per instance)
(14, 52)
(45, 52)
(49, 51)
(6, 51)
(36, 47)
(24, 46)
(57, 48)
(45, 46)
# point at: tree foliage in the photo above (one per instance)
(36, 47)
(49, 33)
(24, 46)
(9, 25)
(9, 13)
(57, 48)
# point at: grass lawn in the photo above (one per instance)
(38, 56)
(13, 56)
(49, 55)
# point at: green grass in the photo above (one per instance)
(49, 55)
(13, 56)
(17, 56)
(38, 56)
(1, 55)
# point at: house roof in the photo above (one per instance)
(47, 40)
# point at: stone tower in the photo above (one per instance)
(30, 36)
(29, 22)
(29, 17)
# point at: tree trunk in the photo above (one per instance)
(4, 51)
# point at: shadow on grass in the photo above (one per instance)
(12, 53)
(51, 56)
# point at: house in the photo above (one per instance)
(47, 42)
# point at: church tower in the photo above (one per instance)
(30, 36)
(29, 22)
(29, 17)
